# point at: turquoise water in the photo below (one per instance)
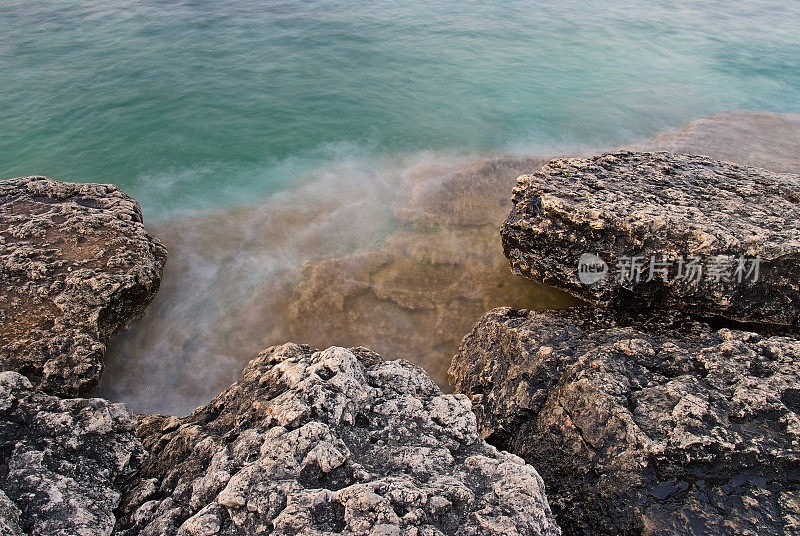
(191, 105)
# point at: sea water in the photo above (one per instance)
(310, 164)
(200, 104)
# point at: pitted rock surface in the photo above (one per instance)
(624, 205)
(76, 266)
(331, 442)
(636, 433)
(9, 517)
(62, 461)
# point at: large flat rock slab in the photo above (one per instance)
(675, 232)
(682, 431)
(331, 442)
(76, 266)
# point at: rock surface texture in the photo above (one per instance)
(691, 432)
(76, 266)
(331, 442)
(632, 208)
(62, 461)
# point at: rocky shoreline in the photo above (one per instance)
(644, 416)
(663, 406)
(307, 442)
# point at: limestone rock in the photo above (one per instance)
(663, 207)
(331, 442)
(76, 266)
(683, 432)
(9, 517)
(63, 461)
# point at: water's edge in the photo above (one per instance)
(402, 258)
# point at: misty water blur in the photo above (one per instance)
(401, 256)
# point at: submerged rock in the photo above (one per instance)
(674, 231)
(76, 266)
(330, 442)
(762, 139)
(690, 431)
(63, 461)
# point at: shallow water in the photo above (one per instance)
(239, 281)
(412, 294)
(327, 172)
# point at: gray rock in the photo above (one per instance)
(62, 462)
(9, 517)
(330, 442)
(76, 266)
(624, 205)
(690, 431)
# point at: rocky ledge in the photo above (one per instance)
(661, 230)
(63, 461)
(307, 442)
(76, 266)
(331, 442)
(686, 432)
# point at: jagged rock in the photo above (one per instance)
(62, 462)
(9, 517)
(683, 432)
(623, 205)
(330, 442)
(76, 266)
